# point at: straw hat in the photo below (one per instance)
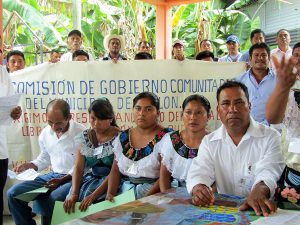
(112, 36)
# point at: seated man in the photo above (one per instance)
(58, 151)
(80, 55)
(242, 157)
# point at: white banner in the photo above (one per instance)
(79, 83)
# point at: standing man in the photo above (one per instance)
(205, 45)
(283, 40)
(260, 81)
(233, 45)
(242, 157)
(178, 50)
(74, 42)
(145, 46)
(256, 36)
(58, 150)
(15, 61)
(6, 89)
(114, 44)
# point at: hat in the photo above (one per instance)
(113, 36)
(233, 38)
(76, 32)
(179, 42)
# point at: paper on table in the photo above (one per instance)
(59, 216)
(29, 174)
(282, 217)
(30, 195)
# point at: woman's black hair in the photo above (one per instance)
(154, 99)
(199, 98)
(103, 110)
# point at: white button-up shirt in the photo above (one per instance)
(237, 169)
(58, 152)
(279, 54)
(6, 89)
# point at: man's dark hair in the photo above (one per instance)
(78, 53)
(64, 107)
(259, 46)
(257, 31)
(280, 31)
(75, 32)
(14, 52)
(233, 84)
(205, 54)
(143, 55)
(297, 45)
(153, 98)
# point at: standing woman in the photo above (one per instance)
(180, 147)
(136, 150)
(94, 152)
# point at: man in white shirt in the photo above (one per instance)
(58, 151)
(283, 40)
(74, 42)
(6, 89)
(242, 157)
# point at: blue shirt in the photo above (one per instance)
(259, 93)
(245, 57)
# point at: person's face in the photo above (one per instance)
(58, 123)
(283, 38)
(15, 63)
(145, 114)
(81, 58)
(233, 47)
(194, 117)
(114, 46)
(296, 55)
(55, 57)
(144, 47)
(74, 42)
(234, 109)
(257, 38)
(259, 59)
(205, 46)
(99, 125)
(178, 50)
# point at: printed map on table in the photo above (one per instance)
(174, 207)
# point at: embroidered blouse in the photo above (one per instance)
(176, 155)
(142, 162)
(95, 155)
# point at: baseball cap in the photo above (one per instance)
(76, 32)
(179, 42)
(233, 38)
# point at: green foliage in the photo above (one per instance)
(134, 18)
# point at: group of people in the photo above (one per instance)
(243, 157)
(115, 44)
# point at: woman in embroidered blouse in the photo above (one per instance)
(95, 152)
(136, 150)
(179, 148)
